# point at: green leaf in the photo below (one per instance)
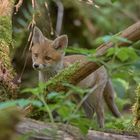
(64, 111)
(107, 38)
(132, 54)
(24, 102)
(20, 102)
(57, 97)
(110, 52)
(75, 49)
(34, 91)
(122, 55)
(53, 95)
(122, 39)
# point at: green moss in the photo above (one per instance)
(5, 40)
(136, 109)
(4, 54)
(6, 29)
(63, 76)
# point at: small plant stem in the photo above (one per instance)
(48, 110)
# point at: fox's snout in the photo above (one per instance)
(35, 66)
(39, 66)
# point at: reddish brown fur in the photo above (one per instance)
(43, 50)
(70, 59)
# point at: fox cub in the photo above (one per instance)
(49, 58)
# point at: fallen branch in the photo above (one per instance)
(13, 125)
(47, 131)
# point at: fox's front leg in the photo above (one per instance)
(109, 98)
(95, 101)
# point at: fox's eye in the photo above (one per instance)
(35, 54)
(47, 58)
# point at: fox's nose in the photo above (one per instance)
(36, 66)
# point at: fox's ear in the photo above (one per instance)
(38, 36)
(60, 42)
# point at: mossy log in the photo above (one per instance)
(7, 88)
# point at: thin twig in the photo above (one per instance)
(31, 25)
(30, 40)
(23, 69)
(49, 18)
(18, 5)
(33, 4)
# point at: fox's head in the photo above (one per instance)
(47, 54)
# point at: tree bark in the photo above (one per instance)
(48, 131)
(96, 135)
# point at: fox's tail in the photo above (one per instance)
(109, 98)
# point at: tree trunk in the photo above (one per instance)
(7, 88)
